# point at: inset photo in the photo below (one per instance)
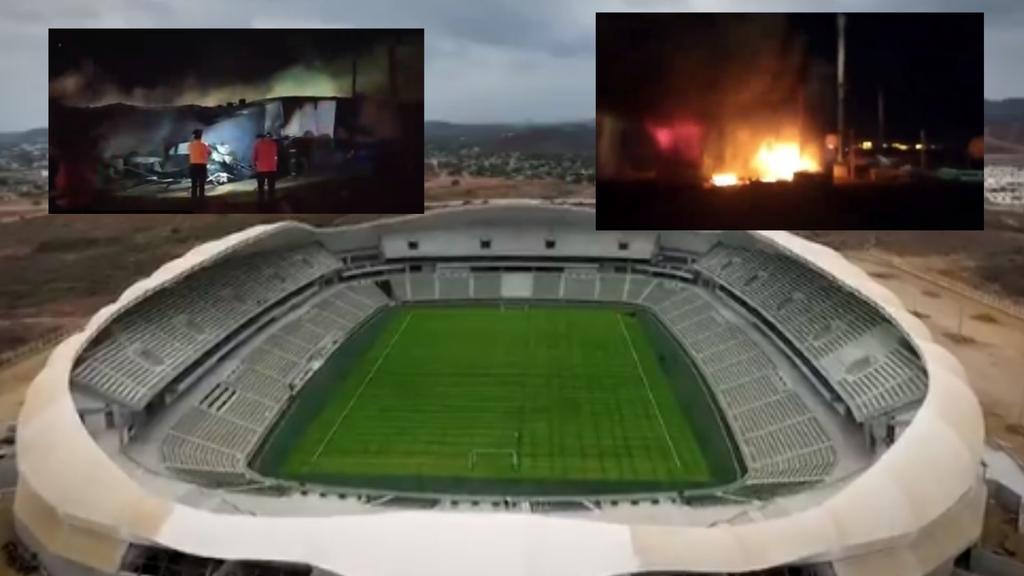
(790, 121)
(236, 120)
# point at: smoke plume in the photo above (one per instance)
(89, 86)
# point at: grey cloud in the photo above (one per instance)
(487, 59)
(533, 25)
(1004, 70)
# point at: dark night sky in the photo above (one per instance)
(168, 61)
(150, 57)
(930, 66)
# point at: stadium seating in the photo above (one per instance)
(214, 439)
(143, 350)
(487, 285)
(779, 436)
(547, 285)
(822, 319)
(637, 286)
(216, 430)
(400, 287)
(892, 381)
(517, 285)
(611, 287)
(661, 292)
(453, 285)
(422, 286)
(580, 285)
(200, 460)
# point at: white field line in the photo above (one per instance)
(650, 396)
(362, 387)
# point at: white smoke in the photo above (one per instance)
(90, 86)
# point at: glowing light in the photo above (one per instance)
(681, 138)
(918, 146)
(726, 179)
(776, 161)
(663, 136)
(900, 146)
(866, 145)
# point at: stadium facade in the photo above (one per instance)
(860, 438)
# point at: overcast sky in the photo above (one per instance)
(487, 60)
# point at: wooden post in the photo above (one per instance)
(354, 71)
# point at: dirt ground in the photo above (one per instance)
(1000, 532)
(6, 528)
(14, 380)
(59, 269)
(472, 188)
(12, 211)
(989, 260)
(988, 341)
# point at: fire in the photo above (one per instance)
(682, 137)
(776, 161)
(726, 179)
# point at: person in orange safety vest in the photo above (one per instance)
(264, 159)
(198, 155)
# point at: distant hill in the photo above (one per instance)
(34, 136)
(576, 138)
(1009, 109)
(1004, 125)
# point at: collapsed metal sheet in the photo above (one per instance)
(273, 117)
(325, 111)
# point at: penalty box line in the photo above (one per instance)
(650, 396)
(362, 387)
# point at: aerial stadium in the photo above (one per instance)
(501, 389)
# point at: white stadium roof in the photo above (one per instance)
(921, 499)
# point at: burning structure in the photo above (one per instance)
(806, 120)
(338, 110)
(716, 108)
(147, 147)
(692, 151)
(742, 98)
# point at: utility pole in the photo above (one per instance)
(841, 83)
(881, 117)
(924, 150)
(354, 58)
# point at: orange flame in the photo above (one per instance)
(725, 179)
(777, 161)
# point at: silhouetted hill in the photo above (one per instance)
(34, 136)
(1009, 109)
(562, 138)
(1004, 124)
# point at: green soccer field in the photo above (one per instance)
(481, 399)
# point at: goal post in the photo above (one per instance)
(496, 456)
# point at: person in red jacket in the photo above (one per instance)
(264, 158)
